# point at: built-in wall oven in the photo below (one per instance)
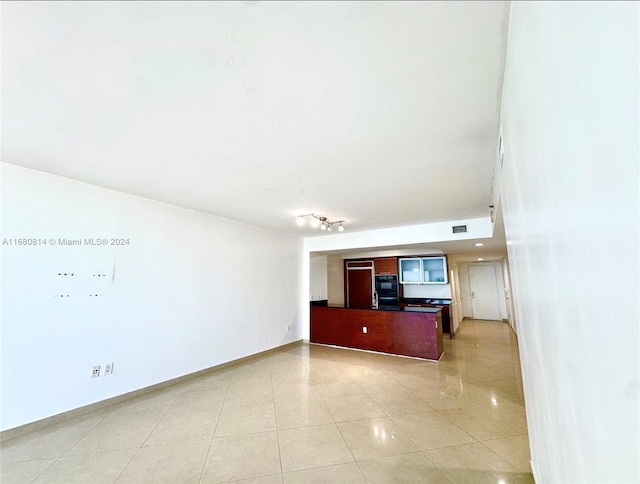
(387, 292)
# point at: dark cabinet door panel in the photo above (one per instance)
(359, 283)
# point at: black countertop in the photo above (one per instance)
(409, 309)
(407, 300)
(415, 309)
(418, 300)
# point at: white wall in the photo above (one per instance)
(569, 190)
(456, 301)
(465, 290)
(318, 278)
(506, 276)
(335, 279)
(190, 291)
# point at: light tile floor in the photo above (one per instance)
(305, 414)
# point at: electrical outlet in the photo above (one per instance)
(364, 329)
(108, 368)
(95, 371)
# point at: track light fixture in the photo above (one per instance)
(318, 221)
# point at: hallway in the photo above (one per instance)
(305, 413)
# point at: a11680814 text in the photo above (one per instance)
(65, 242)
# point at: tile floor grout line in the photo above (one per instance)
(361, 472)
(206, 457)
(45, 458)
(275, 416)
(460, 428)
(145, 440)
(424, 452)
(347, 445)
(43, 470)
(499, 456)
(70, 447)
(340, 432)
(421, 452)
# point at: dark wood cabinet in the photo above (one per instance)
(386, 265)
(447, 325)
(395, 332)
(359, 287)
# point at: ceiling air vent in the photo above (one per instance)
(459, 229)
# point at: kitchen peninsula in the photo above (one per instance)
(413, 331)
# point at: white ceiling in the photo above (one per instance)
(379, 113)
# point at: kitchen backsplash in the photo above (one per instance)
(433, 291)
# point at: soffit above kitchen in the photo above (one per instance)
(465, 250)
(381, 114)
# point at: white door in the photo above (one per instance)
(484, 292)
